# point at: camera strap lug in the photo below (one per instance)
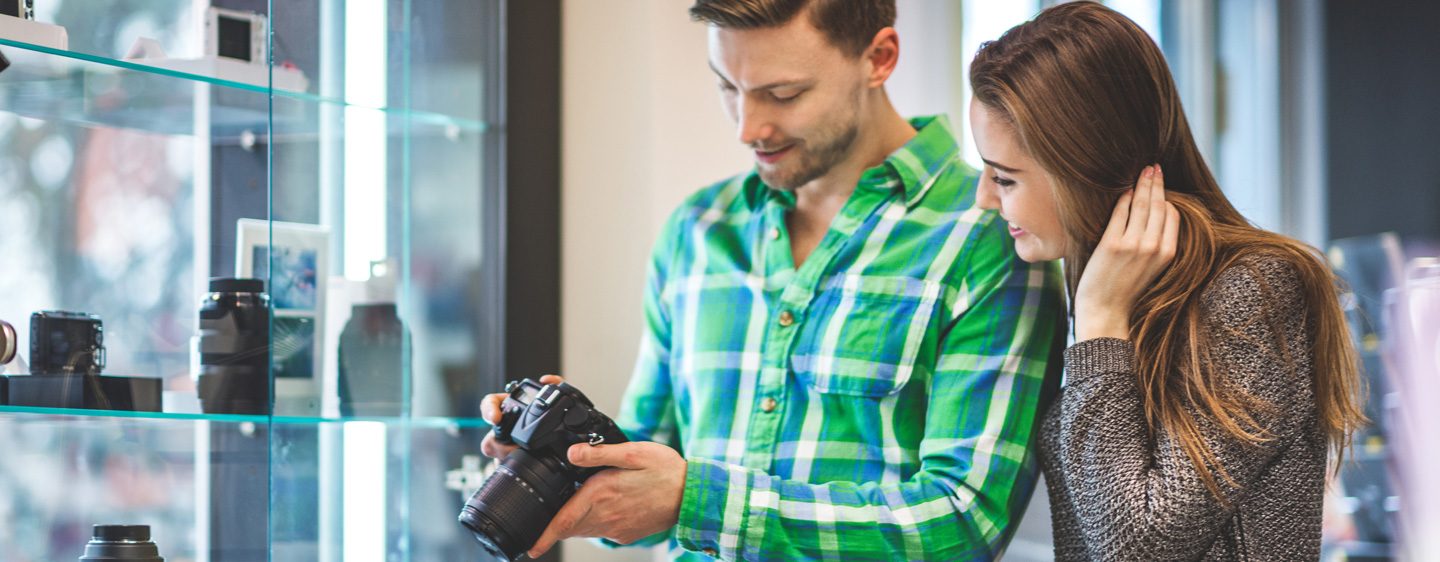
(596, 439)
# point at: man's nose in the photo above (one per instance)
(752, 123)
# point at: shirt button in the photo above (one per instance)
(710, 551)
(769, 405)
(774, 233)
(787, 318)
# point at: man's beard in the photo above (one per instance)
(813, 162)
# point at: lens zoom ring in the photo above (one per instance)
(515, 505)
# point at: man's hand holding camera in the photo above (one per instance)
(638, 497)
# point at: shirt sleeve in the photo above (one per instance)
(977, 463)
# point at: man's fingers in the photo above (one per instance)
(490, 408)
(622, 455)
(562, 526)
(551, 379)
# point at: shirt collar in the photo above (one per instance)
(917, 164)
(912, 167)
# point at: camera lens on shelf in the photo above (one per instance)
(234, 345)
(122, 543)
(7, 342)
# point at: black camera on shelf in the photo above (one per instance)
(121, 543)
(514, 506)
(66, 342)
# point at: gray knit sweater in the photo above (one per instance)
(1116, 495)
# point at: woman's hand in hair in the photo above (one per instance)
(1137, 246)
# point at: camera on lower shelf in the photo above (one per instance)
(67, 353)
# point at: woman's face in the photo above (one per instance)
(1014, 184)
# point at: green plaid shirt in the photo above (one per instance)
(875, 404)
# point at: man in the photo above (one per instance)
(847, 353)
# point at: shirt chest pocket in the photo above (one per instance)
(863, 335)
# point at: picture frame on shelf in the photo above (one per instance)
(292, 258)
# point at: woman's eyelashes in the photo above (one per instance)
(1002, 182)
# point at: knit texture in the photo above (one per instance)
(1117, 495)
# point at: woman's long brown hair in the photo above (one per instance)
(1092, 100)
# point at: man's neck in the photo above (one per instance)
(819, 201)
(872, 146)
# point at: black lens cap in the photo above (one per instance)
(134, 533)
(236, 285)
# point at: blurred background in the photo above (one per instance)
(528, 197)
(1318, 118)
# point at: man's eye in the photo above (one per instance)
(1002, 182)
(786, 98)
(724, 87)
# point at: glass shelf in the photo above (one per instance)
(418, 422)
(51, 84)
(122, 182)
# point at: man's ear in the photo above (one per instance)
(883, 53)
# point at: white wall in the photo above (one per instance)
(642, 129)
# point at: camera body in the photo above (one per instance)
(546, 420)
(23, 9)
(66, 342)
(236, 34)
(514, 506)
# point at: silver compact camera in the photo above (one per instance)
(238, 35)
(23, 9)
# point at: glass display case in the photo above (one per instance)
(348, 153)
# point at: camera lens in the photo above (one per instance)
(234, 347)
(129, 543)
(514, 506)
(7, 342)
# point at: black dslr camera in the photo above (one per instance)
(515, 505)
(66, 342)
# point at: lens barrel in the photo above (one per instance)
(121, 543)
(234, 345)
(515, 504)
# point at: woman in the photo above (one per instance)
(1213, 373)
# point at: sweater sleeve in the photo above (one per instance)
(1138, 500)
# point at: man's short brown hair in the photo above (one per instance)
(850, 25)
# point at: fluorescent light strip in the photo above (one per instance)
(364, 487)
(364, 495)
(365, 138)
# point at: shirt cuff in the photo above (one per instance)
(652, 540)
(712, 511)
(1095, 357)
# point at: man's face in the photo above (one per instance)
(796, 99)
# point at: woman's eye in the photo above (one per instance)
(1002, 182)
